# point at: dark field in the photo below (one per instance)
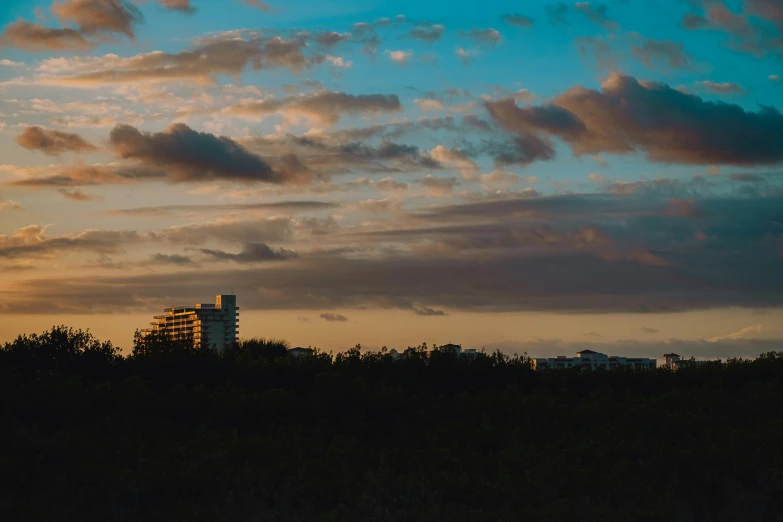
(174, 434)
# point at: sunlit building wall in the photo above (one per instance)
(588, 359)
(214, 326)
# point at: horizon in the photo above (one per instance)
(542, 179)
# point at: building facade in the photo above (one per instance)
(588, 359)
(214, 326)
(672, 361)
(300, 352)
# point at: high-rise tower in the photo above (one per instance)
(214, 326)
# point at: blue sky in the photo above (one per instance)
(620, 159)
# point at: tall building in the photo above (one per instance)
(593, 360)
(210, 325)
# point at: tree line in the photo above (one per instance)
(172, 432)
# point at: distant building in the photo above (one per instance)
(470, 353)
(467, 353)
(454, 348)
(673, 361)
(300, 352)
(214, 326)
(588, 359)
(395, 355)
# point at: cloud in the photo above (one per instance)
(545, 118)
(522, 150)
(290, 206)
(669, 126)
(518, 20)
(165, 259)
(76, 195)
(339, 62)
(667, 52)
(383, 185)
(611, 52)
(466, 55)
(431, 33)
(380, 206)
(333, 318)
(10, 205)
(426, 104)
(438, 187)
(53, 142)
(648, 331)
(557, 13)
(9, 63)
(179, 5)
(457, 159)
(259, 4)
(96, 16)
(252, 253)
(524, 96)
(774, 78)
(694, 21)
(600, 160)
(483, 36)
(32, 242)
(747, 31)
(83, 175)
(597, 14)
(629, 249)
(400, 57)
(745, 333)
(35, 37)
(331, 38)
(345, 151)
(770, 10)
(187, 155)
(429, 312)
(200, 65)
(228, 231)
(322, 107)
(720, 88)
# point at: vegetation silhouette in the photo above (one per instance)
(172, 432)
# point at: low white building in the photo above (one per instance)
(468, 353)
(672, 361)
(300, 352)
(454, 348)
(588, 359)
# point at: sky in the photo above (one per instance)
(537, 177)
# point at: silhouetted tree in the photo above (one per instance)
(161, 343)
(60, 350)
(171, 432)
(259, 348)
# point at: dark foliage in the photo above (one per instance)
(172, 433)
